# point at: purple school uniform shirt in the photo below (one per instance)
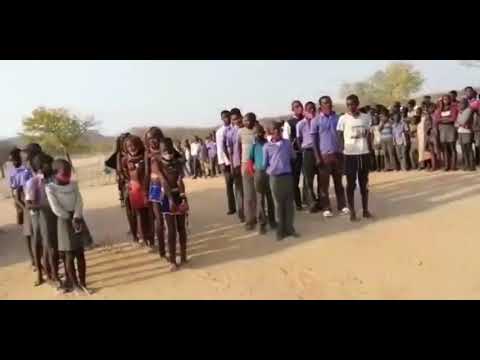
(277, 157)
(326, 127)
(231, 142)
(212, 150)
(35, 191)
(398, 130)
(19, 177)
(304, 131)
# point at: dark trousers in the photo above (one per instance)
(297, 172)
(213, 166)
(335, 170)
(357, 167)
(284, 201)
(400, 150)
(414, 154)
(227, 173)
(196, 167)
(309, 171)
(238, 186)
(467, 151)
(264, 199)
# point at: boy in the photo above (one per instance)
(278, 155)
(224, 161)
(328, 157)
(355, 138)
(465, 135)
(203, 157)
(378, 156)
(246, 137)
(386, 140)
(399, 130)
(194, 152)
(212, 156)
(304, 138)
(262, 186)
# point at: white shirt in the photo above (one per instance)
(222, 158)
(355, 132)
(64, 199)
(194, 148)
(286, 130)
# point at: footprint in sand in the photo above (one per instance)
(307, 279)
(218, 284)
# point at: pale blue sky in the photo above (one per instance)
(122, 94)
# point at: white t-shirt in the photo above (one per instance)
(222, 158)
(194, 148)
(355, 132)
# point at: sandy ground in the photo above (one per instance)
(423, 244)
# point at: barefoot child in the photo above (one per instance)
(44, 221)
(355, 137)
(262, 185)
(278, 156)
(172, 201)
(153, 138)
(134, 168)
(73, 235)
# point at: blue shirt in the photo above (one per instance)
(256, 155)
(326, 127)
(278, 157)
(398, 130)
(304, 132)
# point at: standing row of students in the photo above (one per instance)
(262, 173)
(49, 207)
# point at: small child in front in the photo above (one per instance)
(278, 155)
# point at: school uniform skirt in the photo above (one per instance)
(465, 138)
(44, 225)
(448, 133)
(157, 195)
(68, 239)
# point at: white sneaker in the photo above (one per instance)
(327, 213)
(345, 211)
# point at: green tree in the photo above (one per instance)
(56, 130)
(398, 82)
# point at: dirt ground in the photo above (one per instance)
(423, 244)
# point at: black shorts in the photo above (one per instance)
(357, 163)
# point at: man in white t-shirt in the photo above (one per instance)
(355, 137)
(224, 162)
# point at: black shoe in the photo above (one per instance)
(299, 208)
(367, 214)
(273, 225)
(231, 212)
(249, 227)
(263, 230)
(353, 216)
(280, 237)
(242, 220)
(294, 234)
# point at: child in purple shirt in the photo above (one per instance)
(278, 156)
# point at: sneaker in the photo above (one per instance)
(345, 211)
(327, 213)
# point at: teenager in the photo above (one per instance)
(413, 136)
(305, 142)
(400, 141)
(44, 221)
(232, 150)
(188, 158)
(173, 202)
(386, 139)
(453, 94)
(203, 159)
(73, 235)
(134, 167)
(432, 148)
(195, 153)
(212, 156)
(471, 96)
(153, 137)
(290, 133)
(378, 156)
(262, 183)
(445, 117)
(355, 139)
(328, 156)
(278, 155)
(465, 134)
(224, 160)
(246, 138)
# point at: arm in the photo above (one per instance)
(299, 134)
(78, 211)
(266, 160)
(316, 142)
(16, 193)
(55, 205)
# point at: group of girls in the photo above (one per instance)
(49, 207)
(152, 191)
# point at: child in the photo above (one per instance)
(278, 156)
(153, 138)
(203, 157)
(246, 137)
(194, 151)
(44, 221)
(445, 117)
(18, 178)
(135, 172)
(262, 186)
(465, 135)
(400, 140)
(432, 151)
(386, 139)
(172, 201)
(413, 135)
(377, 145)
(73, 235)
(355, 137)
(212, 156)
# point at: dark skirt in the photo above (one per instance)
(465, 138)
(68, 239)
(44, 225)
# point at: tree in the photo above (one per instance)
(396, 83)
(56, 129)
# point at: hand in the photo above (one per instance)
(173, 206)
(319, 161)
(77, 225)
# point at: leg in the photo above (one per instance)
(172, 240)
(249, 197)
(270, 205)
(280, 214)
(363, 183)
(160, 229)
(229, 188)
(38, 254)
(82, 267)
(351, 166)
(260, 192)
(337, 174)
(70, 268)
(297, 171)
(182, 237)
(237, 177)
(28, 242)
(324, 185)
(453, 156)
(309, 169)
(289, 207)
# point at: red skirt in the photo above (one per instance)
(137, 195)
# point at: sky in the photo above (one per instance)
(121, 94)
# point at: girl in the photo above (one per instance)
(133, 165)
(445, 117)
(44, 221)
(153, 138)
(171, 200)
(278, 157)
(73, 235)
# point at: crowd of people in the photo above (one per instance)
(263, 169)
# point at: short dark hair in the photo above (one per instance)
(412, 102)
(298, 102)
(469, 88)
(39, 160)
(353, 97)
(168, 143)
(454, 93)
(236, 111)
(310, 103)
(15, 153)
(324, 97)
(225, 113)
(61, 164)
(251, 116)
